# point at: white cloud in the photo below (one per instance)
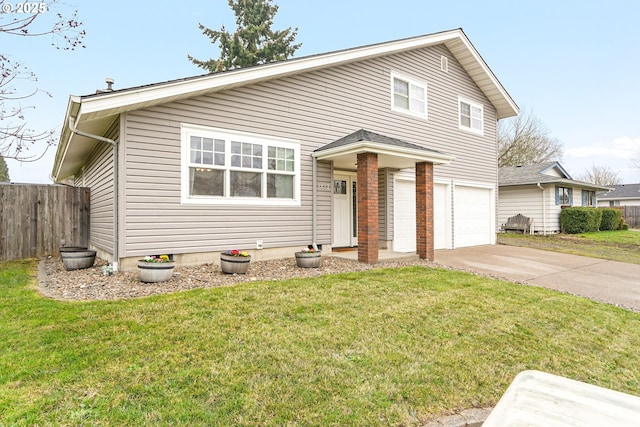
(615, 154)
(620, 148)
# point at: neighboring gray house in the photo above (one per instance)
(621, 195)
(539, 192)
(391, 145)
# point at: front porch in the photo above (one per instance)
(369, 152)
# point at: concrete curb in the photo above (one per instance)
(467, 418)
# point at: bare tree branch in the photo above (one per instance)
(42, 19)
(525, 140)
(600, 175)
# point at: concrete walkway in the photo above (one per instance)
(612, 282)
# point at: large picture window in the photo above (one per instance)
(408, 96)
(234, 168)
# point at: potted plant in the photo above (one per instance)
(308, 258)
(155, 268)
(77, 257)
(235, 261)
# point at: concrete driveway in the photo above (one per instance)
(612, 282)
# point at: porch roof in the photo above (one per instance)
(392, 152)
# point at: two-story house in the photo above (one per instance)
(391, 145)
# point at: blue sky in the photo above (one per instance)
(575, 64)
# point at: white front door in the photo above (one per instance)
(345, 218)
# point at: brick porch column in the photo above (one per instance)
(424, 210)
(368, 208)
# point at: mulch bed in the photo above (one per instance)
(91, 284)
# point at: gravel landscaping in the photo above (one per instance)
(91, 284)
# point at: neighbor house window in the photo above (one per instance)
(408, 96)
(471, 116)
(564, 196)
(588, 198)
(614, 203)
(220, 166)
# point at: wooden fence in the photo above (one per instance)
(631, 215)
(35, 220)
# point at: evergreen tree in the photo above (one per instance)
(4, 170)
(253, 43)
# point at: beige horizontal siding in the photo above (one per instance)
(315, 108)
(98, 176)
(528, 201)
(521, 200)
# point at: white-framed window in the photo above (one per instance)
(471, 116)
(408, 95)
(227, 167)
(588, 198)
(564, 196)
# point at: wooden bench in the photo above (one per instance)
(517, 223)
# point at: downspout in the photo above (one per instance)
(314, 195)
(544, 211)
(114, 144)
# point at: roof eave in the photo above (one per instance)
(456, 40)
(557, 181)
(499, 97)
(356, 148)
(607, 197)
(73, 107)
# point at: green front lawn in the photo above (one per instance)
(616, 237)
(384, 347)
(619, 245)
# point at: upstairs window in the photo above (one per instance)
(408, 96)
(471, 116)
(223, 167)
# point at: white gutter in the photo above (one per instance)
(314, 196)
(114, 144)
(544, 211)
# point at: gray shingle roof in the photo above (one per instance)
(529, 174)
(535, 174)
(365, 135)
(624, 191)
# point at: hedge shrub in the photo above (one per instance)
(580, 219)
(611, 219)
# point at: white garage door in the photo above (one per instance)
(405, 216)
(441, 227)
(472, 216)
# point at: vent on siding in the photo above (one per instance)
(444, 64)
